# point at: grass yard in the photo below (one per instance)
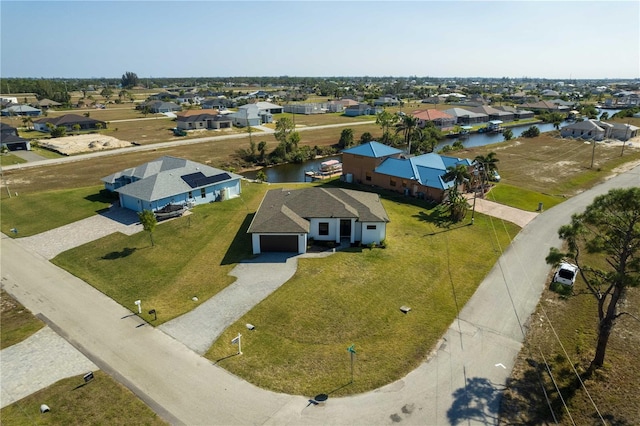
(612, 388)
(10, 159)
(17, 322)
(32, 213)
(520, 198)
(220, 153)
(553, 166)
(192, 256)
(353, 297)
(101, 401)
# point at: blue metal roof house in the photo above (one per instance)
(171, 180)
(383, 166)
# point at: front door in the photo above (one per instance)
(345, 228)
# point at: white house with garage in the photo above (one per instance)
(288, 218)
(171, 180)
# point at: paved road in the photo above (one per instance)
(161, 145)
(461, 382)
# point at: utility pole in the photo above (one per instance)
(626, 135)
(593, 152)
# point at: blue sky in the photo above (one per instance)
(548, 39)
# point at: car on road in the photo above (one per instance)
(494, 176)
(566, 274)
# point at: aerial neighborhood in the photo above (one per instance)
(290, 239)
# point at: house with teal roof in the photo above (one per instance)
(386, 167)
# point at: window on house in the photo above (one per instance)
(190, 194)
(203, 193)
(323, 228)
(367, 177)
(392, 182)
(371, 227)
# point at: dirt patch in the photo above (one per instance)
(70, 145)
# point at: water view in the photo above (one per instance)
(295, 172)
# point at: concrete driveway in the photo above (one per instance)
(461, 382)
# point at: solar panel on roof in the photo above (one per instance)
(197, 179)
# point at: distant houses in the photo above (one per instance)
(599, 130)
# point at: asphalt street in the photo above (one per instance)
(459, 383)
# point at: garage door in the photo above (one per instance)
(279, 243)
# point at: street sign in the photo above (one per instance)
(352, 349)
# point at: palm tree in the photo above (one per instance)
(457, 203)
(486, 165)
(409, 128)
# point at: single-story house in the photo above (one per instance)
(307, 109)
(25, 110)
(189, 98)
(10, 139)
(45, 104)
(361, 109)
(518, 114)
(440, 119)
(359, 161)
(494, 113)
(288, 218)
(220, 104)
(201, 119)
(465, 117)
(623, 131)
(386, 101)
(163, 96)
(171, 180)
(588, 129)
(545, 106)
(162, 107)
(68, 121)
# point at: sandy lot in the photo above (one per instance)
(83, 143)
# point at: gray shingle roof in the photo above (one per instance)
(289, 211)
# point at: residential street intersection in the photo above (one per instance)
(460, 382)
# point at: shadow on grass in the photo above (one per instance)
(240, 247)
(225, 357)
(478, 401)
(127, 251)
(526, 399)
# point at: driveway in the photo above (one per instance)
(51, 243)
(461, 382)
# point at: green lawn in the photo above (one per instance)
(102, 401)
(303, 329)
(353, 297)
(192, 256)
(17, 322)
(10, 159)
(33, 213)
(521, 198)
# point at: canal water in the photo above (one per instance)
(295, 172)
